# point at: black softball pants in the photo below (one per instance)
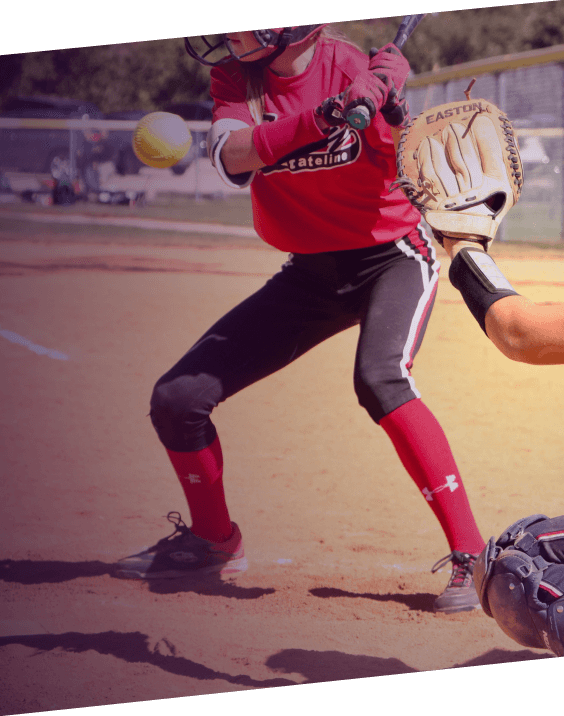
(389, 290)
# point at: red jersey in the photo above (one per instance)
(331, 195)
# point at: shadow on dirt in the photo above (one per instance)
(28, 571)
(51, 572)
(318, 666)
(314, 666)
(134, 648)
(421, 602)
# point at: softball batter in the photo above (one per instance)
(357, 256)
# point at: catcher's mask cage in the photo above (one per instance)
(210, 50)
(520, 589)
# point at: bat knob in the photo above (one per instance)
(359, 117)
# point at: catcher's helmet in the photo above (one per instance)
(204, 49)
(520, 582)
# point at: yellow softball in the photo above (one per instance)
(161, 139)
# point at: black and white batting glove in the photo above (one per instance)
(396, 110)
(331, 110)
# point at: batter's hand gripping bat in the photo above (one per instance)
(359, 117)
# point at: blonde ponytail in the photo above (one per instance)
(255, 92)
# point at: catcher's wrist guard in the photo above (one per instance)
(478, 278)
(459, 164)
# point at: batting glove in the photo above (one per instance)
(392, 68)
(396, 109)
(382, 87)
(369, 89)
(331, 110)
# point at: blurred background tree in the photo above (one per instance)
(138, 75)
(146, 75)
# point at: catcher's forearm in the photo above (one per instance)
(527, 332)
(522, 330)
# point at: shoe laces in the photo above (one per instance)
(180, 529)
(462, 568)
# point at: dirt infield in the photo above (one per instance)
(339, 585)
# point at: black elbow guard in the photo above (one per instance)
(478, 278)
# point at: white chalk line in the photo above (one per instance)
(33, 347)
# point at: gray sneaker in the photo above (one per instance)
(460, 594)
(183, 554)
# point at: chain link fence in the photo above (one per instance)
(529, 87)
(50, 161)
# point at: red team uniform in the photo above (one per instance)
(298, 203)
(358, 256)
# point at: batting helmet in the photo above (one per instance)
(520, 582)
(278, 38)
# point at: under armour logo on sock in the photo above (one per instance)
(193, 478)
(450, 483)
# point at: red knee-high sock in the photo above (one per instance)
(201, 476)
(425, 453)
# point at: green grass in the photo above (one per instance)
(229, 211)
(232, 210)
(21, 230)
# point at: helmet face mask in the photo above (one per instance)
(209, 50)
(264, 40)
(218, 49)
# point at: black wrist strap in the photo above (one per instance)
(478, 278)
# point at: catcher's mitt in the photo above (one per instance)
(459, 164)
